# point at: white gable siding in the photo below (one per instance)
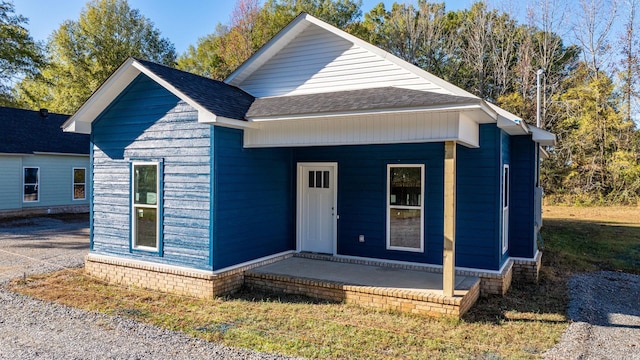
(358, 130)
(318, 61)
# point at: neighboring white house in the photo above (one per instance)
(42, 168)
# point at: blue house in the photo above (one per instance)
(319, 143)
(42, 169)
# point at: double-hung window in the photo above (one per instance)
(31, 184)
(145, 212)
(405, 207)
(79, 183)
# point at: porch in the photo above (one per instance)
(371, 285)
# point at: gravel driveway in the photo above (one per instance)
(34, 329)
(604, 308)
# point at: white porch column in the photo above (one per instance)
(449, 253)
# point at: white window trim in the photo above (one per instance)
(37, 184)
(74, 183)
(146, 206)
(504, 205)
(389, 206)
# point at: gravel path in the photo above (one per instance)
(35, 329)
(605, 310)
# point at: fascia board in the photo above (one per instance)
(542, 137)
(456, 107)
(204, 115)
(80, 121)
(268, 50)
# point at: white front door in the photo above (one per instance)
(317, 184)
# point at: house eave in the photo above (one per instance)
(81, 121)
(438, 108)
(60, 154)
(542, 137)
(206, 117)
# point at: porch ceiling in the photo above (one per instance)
(455, 123)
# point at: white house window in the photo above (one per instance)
(505, 208)
(31, 182)
(79, 183)
(405, 207)
(145, 224)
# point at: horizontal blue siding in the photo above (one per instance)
(253, 212)
(362, 182)
(146, 122)
(522, 217)
(478, 210)
(505, 149)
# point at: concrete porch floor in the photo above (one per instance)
(368, 285)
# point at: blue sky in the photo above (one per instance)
(182, 22)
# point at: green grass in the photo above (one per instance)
(590, 239)
(520, 325)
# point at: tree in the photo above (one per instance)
(19, 54)
(85, 52)
(630, 62)
(251, 26)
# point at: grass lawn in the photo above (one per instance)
(522, 324)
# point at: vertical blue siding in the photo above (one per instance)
(522, 217)
(146, 122)
(254, 211)
(478, 226)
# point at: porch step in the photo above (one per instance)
(367, 285)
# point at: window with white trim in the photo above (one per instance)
(505, 207)
(79, 183)
(31, 184)
(405, 207)
(145, 215)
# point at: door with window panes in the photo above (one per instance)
(317, 209)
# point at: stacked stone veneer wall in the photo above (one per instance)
(527, 270)
(181, 281)
(415, 302)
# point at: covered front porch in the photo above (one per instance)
(366, 283)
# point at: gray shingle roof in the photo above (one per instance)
(217, 97)
(26, 132)
(384, 98)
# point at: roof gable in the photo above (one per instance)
(215, 101)
(28, 132)
(310, 56)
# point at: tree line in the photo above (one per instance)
(589, 55)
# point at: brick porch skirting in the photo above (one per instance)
(171, 279)
(416, 302)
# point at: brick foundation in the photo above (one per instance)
(415, 302)
(527, 270)
(208, 284)
(47, 210)
(171, 279)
